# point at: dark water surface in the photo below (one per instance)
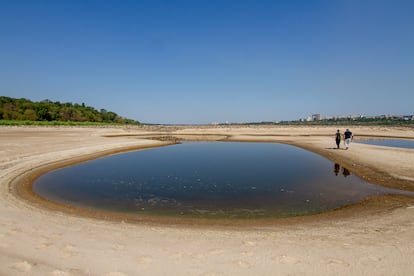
(398, 143)
(209, 179)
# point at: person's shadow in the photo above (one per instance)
(335, 148)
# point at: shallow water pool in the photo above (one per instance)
(398, 143)
(209, 180)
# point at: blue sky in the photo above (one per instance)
(205, 61)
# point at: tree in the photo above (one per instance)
(30, 115)
(46, 110)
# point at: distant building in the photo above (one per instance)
(316, 117)
(356, 117)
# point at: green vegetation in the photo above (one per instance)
(25, 112)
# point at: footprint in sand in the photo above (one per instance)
(144, 259)
(115, 273)
(69, 247)
(370, 260)
(44, 245)
(216, 251)
(3, 244)
(249, 243)
(22, 266)
(118, 247)
(56, 235)
(70, 251)
(337, 262)
(286, 259)
(60, 273)
(243, 264)
(211, 274)
(13, 231)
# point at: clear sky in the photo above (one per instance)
(205, 61)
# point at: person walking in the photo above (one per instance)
(338, 138)
(348, 137)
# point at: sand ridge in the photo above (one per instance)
(376, 240)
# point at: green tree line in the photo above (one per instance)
(46, 110)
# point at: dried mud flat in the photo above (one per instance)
(40, 238)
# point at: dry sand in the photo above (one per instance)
(372, 238)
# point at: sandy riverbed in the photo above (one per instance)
(372, 238)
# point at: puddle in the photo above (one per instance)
(209, 180)
(398, 143)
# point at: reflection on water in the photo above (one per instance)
(206, 179)
(345, 171)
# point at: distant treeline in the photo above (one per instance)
(46, 110)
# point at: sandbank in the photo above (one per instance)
(41, 238)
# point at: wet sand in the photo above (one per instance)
(42, 238)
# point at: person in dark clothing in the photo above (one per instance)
(338, 138)
(348, 137)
